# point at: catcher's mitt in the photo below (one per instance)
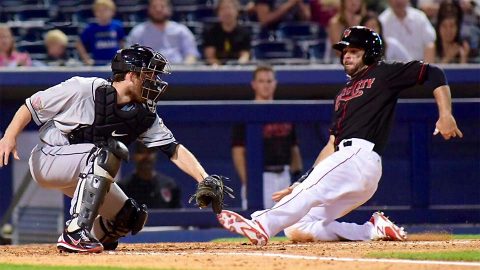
(211, 190)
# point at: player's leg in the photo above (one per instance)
(320, 224)
(59, 167)
(338, 175)
(119, 216)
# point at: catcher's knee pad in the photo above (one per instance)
(131, 218)
(107, 160)
(93, 189)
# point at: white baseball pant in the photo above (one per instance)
(337, 185)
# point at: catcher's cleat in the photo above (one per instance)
(384, 229)
(238, 224)
(78, 241)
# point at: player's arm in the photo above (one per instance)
(8, 144)
(266, 16)
(83, 53)
(210, 55)
(446, 124)
(188, 163)
(240, 162)
(296, 165)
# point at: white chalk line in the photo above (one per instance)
(299, 257)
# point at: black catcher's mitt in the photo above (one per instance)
(211, 190)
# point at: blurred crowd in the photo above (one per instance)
(233, 32)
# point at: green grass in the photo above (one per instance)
(465, 255)
(466, 236)
(46, 267)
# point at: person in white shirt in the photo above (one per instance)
(410, 27)
(394, 50)
(174, 40)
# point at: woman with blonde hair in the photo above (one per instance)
(9, 56)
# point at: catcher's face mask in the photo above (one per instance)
(152, 83)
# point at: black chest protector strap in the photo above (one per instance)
(122, 123)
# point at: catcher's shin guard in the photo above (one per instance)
(95, 186)
(131, 218)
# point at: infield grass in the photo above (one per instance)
(62, 267)
(460, 255)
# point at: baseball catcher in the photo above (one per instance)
(86, 124)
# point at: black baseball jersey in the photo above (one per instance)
(364, 108)
(278, 140)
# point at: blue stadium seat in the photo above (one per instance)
(266, 49)
(177, 3)
(298, 30)
(201, 13)
(196, 28)
(316, 51)
(36, 49)
(31, 33)
(137, 13)
(84, 14)
(26, 13)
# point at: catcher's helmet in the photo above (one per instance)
(364, 38)
(149, 64)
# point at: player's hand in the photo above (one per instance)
(447, 127)
(7, 146)
(277, 196)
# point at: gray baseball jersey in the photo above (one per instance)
(54, 163)
(63, 107)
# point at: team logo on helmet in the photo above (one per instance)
(346, 33)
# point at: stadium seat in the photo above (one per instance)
(177, 3)
(24, 13)
(298, 30)
(265, 49)
(36, 49)
(316, 51)
(196, 28)
(84, 14)
(137, 13)
(31, 33)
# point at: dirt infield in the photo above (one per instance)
(225, 256)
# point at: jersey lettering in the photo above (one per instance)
(353, 91)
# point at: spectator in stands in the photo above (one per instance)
(227, 40)
(449, 48)
(282, 160)
(323, 10)
(148, 186)
(56, 43)
(394, 50)
(100, 41)
(411, 27)
(270, 13)
(349, 14)
(175, 41)
(430, 8)
(9, 56)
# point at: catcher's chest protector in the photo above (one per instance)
(123, 124)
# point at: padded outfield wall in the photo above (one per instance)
(425, 179)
